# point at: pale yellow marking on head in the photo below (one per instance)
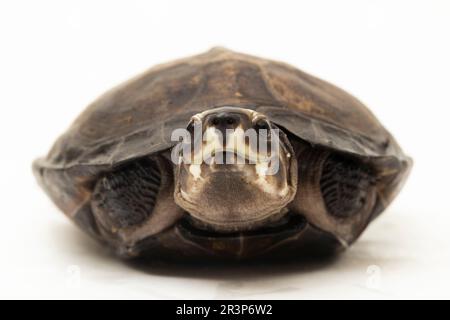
(196, 171)
(261, 170)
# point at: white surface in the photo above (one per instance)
(58, 56)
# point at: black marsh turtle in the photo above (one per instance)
(112, 172)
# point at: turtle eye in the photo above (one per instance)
(262, 124)
(194, 128)
(190, 127)
(215, 121)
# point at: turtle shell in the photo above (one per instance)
(137, 118)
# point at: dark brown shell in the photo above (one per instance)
(137, 118)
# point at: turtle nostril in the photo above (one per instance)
(230, 121)
(215, 121)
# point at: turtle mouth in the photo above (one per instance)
(227, 156)
(288, 224)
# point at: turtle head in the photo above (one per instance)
(235, 170)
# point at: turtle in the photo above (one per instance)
(120, 175)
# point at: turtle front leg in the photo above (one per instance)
(336, 192)
(135, 202)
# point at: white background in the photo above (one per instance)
(57, 56)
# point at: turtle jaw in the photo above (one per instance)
(232, 199)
